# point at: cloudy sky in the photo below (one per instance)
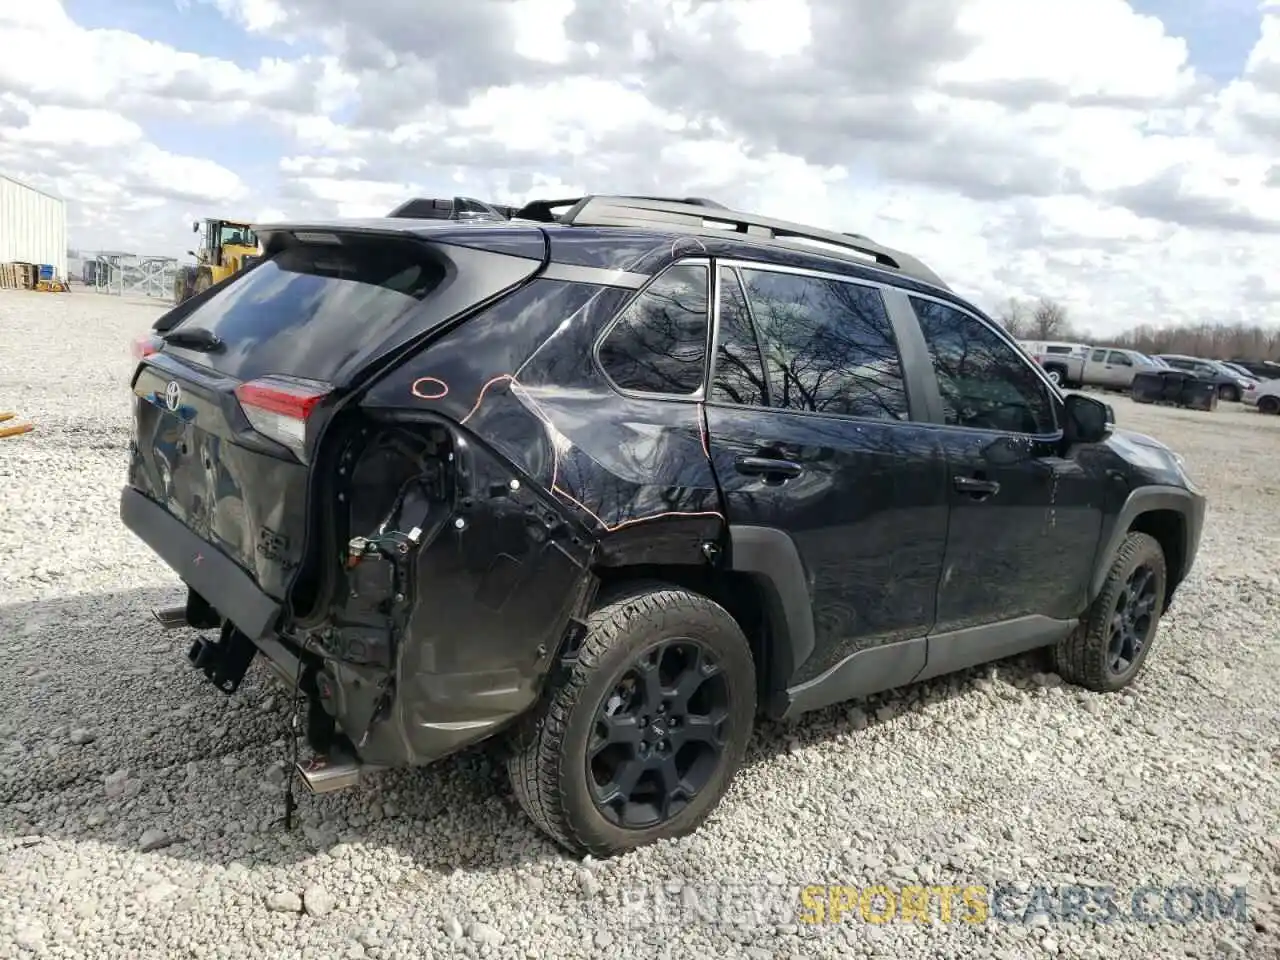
(1122, 157)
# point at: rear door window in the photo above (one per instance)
(310, 308)
(828, 345)
(739, 370)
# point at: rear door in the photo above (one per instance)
(1025, 519)
(811, 433)
(228, 410)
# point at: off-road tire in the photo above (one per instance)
(1083, 657)
(204, 280)
(548, 763)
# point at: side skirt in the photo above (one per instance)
(876, 669)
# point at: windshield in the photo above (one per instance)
(1219, 367)
(1238, 371)
(237, 234)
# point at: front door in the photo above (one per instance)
(1121, 365)
(811, 433)
(1025, 519)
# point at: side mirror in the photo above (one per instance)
(191, 253)
(195, 226)
(1088, 420)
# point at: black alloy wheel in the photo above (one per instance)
(1133, 621)
(659, 734)
(1105, 653)
(638, 739)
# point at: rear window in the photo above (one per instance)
(310, 308)
(1057, 350)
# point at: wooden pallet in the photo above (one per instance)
(19, 276)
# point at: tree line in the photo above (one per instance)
(1047, 319)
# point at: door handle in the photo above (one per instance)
(767, 466)
(979, 489)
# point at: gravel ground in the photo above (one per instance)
(139, 806)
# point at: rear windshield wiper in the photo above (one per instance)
(193, 338)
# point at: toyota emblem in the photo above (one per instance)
(173, 395)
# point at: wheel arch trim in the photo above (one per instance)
(1147, 499)
(770, 556)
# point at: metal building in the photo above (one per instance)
(33, 226)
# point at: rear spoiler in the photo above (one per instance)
(453, 208)
(469, 208)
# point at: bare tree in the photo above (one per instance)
(1217, 341)
(1049, 320)
(1014, 318)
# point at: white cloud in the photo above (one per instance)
(1085, 49)
(1020, 147)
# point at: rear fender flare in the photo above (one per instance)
(1143, 500)
(770, 557)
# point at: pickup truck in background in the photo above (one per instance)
(1063, 362)
(1113, 369)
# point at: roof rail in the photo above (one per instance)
(455, 208)
(543, 210)
(705, 217)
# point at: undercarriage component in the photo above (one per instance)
(196, 613)
(327, 774)
(224, 661)
(171, 618)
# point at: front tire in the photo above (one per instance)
(641, 739)
(1269, 405)
(1107, 652)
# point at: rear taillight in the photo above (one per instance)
(279, 407)
(144, 347)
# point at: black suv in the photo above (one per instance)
(604, 479)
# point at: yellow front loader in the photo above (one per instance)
(226, 247)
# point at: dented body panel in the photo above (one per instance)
(200, 461)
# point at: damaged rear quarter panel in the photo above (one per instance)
(555, 473)
(632, 474)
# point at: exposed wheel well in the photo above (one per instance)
(1169, 529)
(736, 592)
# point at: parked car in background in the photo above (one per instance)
(1113, 369)
(1231, 383)
(1260, 370)
(1265, 396)
(1063, 362)
(1237, 369)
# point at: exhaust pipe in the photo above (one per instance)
(171, 618)
(329, 774)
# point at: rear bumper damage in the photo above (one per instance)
(442, 631)
(203, 567)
